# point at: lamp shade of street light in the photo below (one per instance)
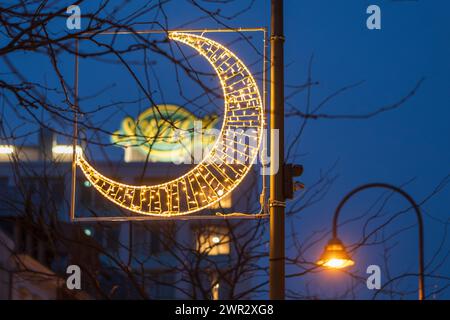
(335, 256)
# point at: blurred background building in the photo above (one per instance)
(34, 201)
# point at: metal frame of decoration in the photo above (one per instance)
(179, 198)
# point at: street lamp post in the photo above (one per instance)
(277, 204)
(335, 255)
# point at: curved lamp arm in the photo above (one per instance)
(419, 220)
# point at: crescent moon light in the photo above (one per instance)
(216, 175)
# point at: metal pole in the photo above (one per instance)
(276, 203)
(419, 224)
(75, 136)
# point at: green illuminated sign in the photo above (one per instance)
(164, 132)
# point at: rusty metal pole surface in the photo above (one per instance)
(276, 203)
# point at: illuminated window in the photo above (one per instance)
(65, 149)
(225, 203)
(215, 291)
(6, 149)
(213, 241)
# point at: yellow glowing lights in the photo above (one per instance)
(338, 263)
(335, 256)
(216, 175)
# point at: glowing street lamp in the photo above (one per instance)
(335, 256)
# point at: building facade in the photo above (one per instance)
(155, 259)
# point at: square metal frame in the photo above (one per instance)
(75, 107)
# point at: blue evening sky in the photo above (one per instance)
(411, 142)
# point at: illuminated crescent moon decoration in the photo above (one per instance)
(218, 173)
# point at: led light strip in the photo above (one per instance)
(213, 178)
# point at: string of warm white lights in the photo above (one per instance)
(218, 173)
